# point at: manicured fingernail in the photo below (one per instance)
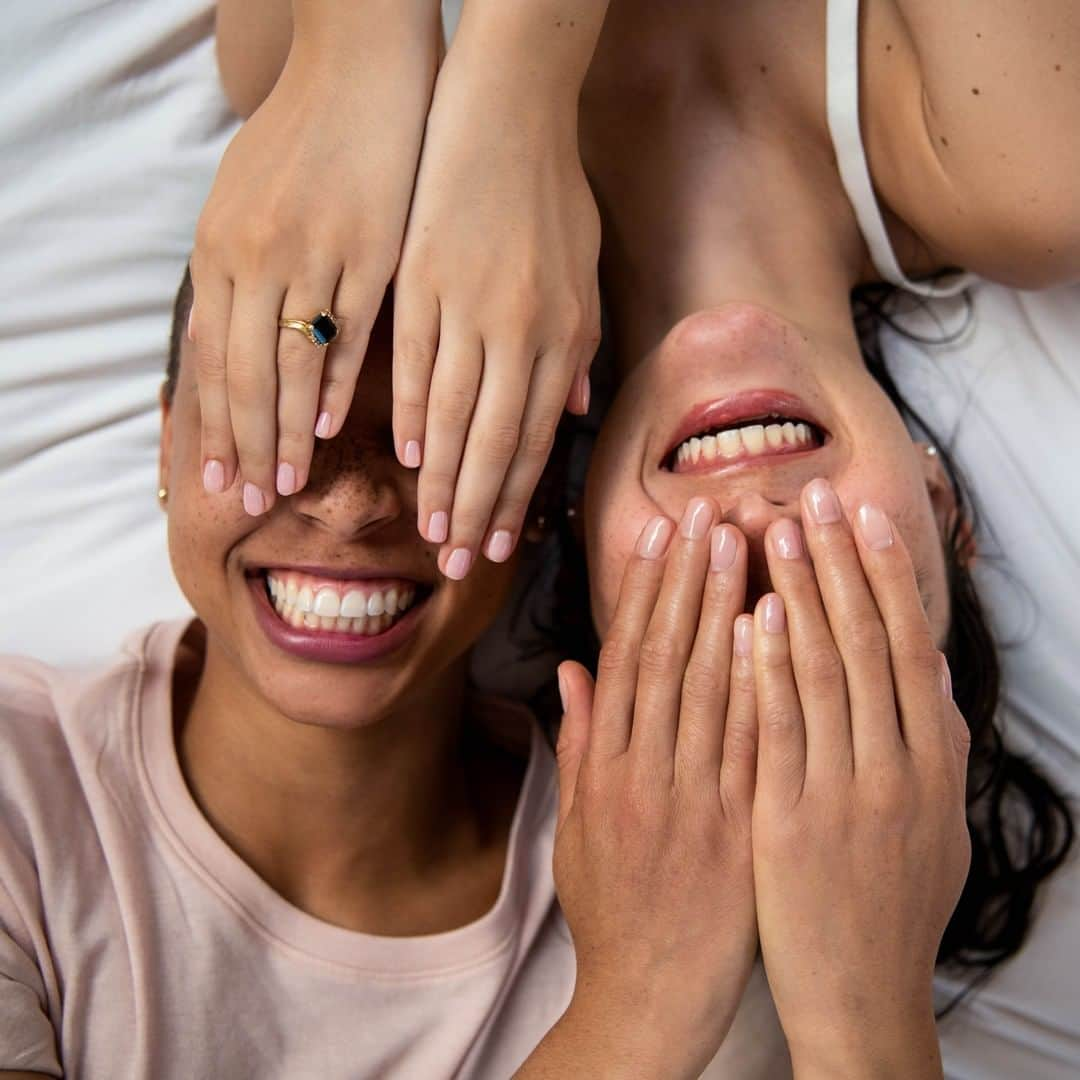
(586, 394)
(457, 566)
(787, 539)
(723, 548)
(697, 519)
(946, 678)
(213, 477)
(875, 528)
(563, 696)
(438, 527)
(744, 635)
(412, 454)
(254, 500)
(655, 537)
(822, 502)
(500, 545)
(322, 426)
(775, 617)
(286, 479)
(190, 316)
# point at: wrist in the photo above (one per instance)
(365, 30)
(864, 1048)
(542, 48)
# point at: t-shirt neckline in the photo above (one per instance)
(265, 911)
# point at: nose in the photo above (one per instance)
(352, 491)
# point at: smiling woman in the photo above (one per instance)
(302, 843)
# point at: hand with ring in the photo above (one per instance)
(298, 242)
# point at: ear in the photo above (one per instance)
(943, 501)
(165, 446)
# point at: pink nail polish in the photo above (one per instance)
(213, 477)
(190, 316)
(438, 528)
(254, 500)
(655, 537)
(563, 696)
(500, 545)
(286, 479)
(787, 539)
(586, 394)
(822, 502)
(412, 454)
(697, 519)
(322, 427)
(775, 618)
(724, 548)
(875, 528)
(744, 635)
(946, 678)
(457, 566)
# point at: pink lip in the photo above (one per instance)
(748, 405)
(328, 646)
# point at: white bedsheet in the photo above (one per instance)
(112, 126)
(1006, 398)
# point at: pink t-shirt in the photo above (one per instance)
(135, 943)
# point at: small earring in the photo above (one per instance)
(163, 495)
(931, 451)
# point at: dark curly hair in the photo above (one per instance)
(1021, 826)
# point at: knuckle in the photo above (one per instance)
(701, 685)
(915, 648)
(413, 356)
(618, 654)
(209, 364)
(295, 362)
(537, 438)
(821, 664)
(469, 523)
(658, 655)
(865, 636)
(291, 442)
(453, 407)
(500, 442)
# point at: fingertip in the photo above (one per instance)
(772, 614)
(744, 635)
(324, 425)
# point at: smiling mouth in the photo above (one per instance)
(364, 608)
(755, 437)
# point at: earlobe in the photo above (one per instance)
(944, 504)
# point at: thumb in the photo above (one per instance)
(576, 690)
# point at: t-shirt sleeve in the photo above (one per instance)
(27, 1038)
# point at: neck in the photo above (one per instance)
(717, 181)
(344, 823)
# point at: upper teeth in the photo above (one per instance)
(743, 442)
(305, 601)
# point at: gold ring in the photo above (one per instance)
(321, 330)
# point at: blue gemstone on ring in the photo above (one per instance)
(324, 329)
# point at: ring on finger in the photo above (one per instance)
(320, 330)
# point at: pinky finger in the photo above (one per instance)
(539, 423)
(416, 342)
(739, 762)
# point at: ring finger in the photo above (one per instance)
(300, 367)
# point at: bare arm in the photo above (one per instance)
(971, 120)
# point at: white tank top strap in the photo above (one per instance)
(842, 108)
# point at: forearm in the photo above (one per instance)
(607, 1043)
(542, 46)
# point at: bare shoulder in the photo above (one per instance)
(969, 116)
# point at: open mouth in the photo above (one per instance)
(753, 426)
(364, 608)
